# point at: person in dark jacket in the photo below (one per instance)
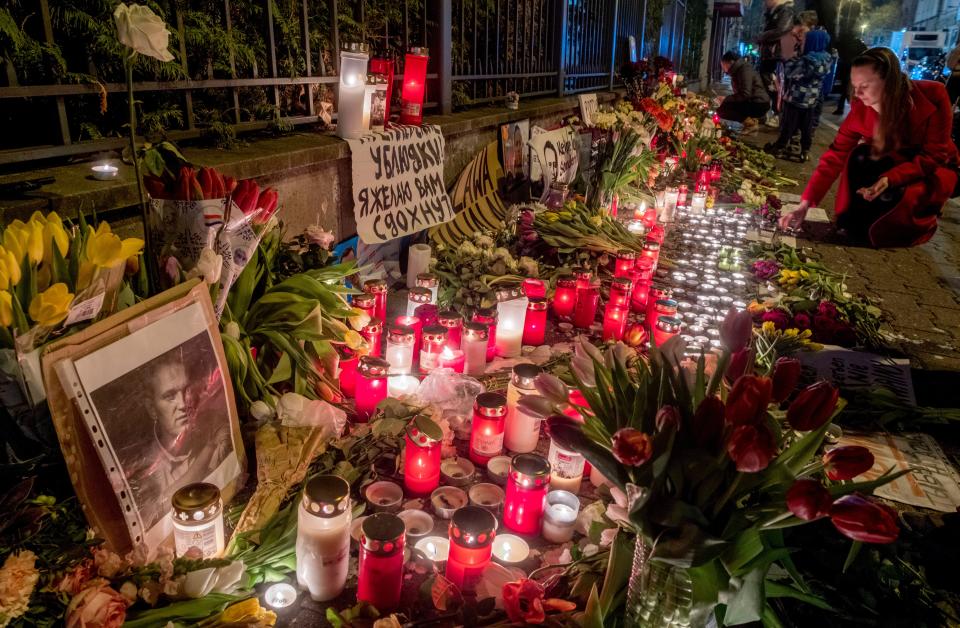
(893, 154)
(848, 48)
(777, 22)
(749, 98)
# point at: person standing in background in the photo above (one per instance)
(953, 64)
(848, 49)
(778, 21)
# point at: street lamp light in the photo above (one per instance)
(863, 29)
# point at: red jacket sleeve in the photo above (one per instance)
(834, 159)
(937, 148)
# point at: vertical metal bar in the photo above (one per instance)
(475, 63)
(273, 55)
(443, 13)
(311, 109)
(234, 92)
(613, 45)
(406, 25)
(187, 94)
(561, 47)
(335, 21)
(61, 103)
(643, 32)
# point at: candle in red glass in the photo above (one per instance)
(421, 462)
(614, 322)
(380, 571)
(434, 340)
(378, 288)
(486, 435)
(535, 323)
(416, 325)
(472, 530)
(366, 303)
(348, 374)
(716, 171)
(534, 288)
(661, 307)
(651, 250)
(371, 386)
(488, 316)
(682, 197)
(583, 276)
(625, 261)
(639, 296)
(527, 487)
(667, 327)
(576, 403)
(649, 218)
(656, 234)
(614, 205)
(656, 294)
(384, 67)
(646, 267)
(414, 86)
(453, 321)
(565, 298)
(620, 289)
(372, 332)
(453, 359)
(428, 313)
(585, 313)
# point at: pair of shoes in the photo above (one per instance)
(771, 148)
(804, 157)
(773, 121)
(750, 126)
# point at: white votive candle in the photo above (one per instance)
(566, 469)
(560, 516)
(510, 549)
(418, 261)
(435, 548)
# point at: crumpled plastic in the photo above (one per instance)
(452, 393)
(295, 410)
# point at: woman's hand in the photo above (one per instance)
(874, 190)
(794, 219)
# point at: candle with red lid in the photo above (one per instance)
(488, 316)
(385, 68)
(486, 434)
(372, 332)
(416, 297)
(348, 372)
(453, 359)
(534, 288)
(414, 86)
(614, 322)
(620, 289)
(378, 288)
(584, 276)
(380, 570)
(651, 250)
(421, 462)
(666, 328)
(453, 321)
(527, 486)
(535, 322)
(472, 530)
(414, 323)
(585, 313)
(565, 298)
(371, 386)
(626, 260)
(434, 341)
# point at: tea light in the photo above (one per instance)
(498, 468)
(474, 345)
(402, 385)
(488, 496)
(510, 549)
(280, 595)
(560, 516)
(105, 172)
(435, 548)
(452, 359)
(446, 500)
(417, 524)
(457, 471)
(384, 496)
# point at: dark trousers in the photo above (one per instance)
(953, 87)
(863, 171)
(768, 74)
(795, 119)
(843, 74)
(739, 111)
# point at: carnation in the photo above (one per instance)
(18, 577)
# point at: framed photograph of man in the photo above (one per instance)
(513, 147)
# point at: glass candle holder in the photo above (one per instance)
(414, 86)
(400, 341)
(453, 321)
(347, 375)
(661, 307)
(585, 313)
(566, 468)
(698, 202)
(565, 298)
(682, 191)
(521, 430)
(323, 537)
(418, 261)
(474, 346)
(431, 282)
(640, 296)
(614, 322)
(624, 262)
(371, 386)
(527, 488)
(584, 276)
(198, 520)
(488, 316)
(402, 385)
(434, 341)
(352, 90)
(427, 313)
(649, 218)
(620, 289)
(414, 323)
(656, 234)
(453, 359)
(651, 250)
(557, 195)
(670, 198)
(421, 463)
(378, 288)
(372, 332)
(534, 288)
(511, 312)
(472, 531)
(560, 516)
(486, 434)
(384, 68)
(535, 322)
(416, 297)
(666, 328)
(367, 303)
(380, 570)
(644, 269)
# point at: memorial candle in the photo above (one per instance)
(414, 86)
(198, 520)
(620, 289)
(682, 191)
(347, 375)
(399, 354)
(380, 570)
(453, 321)
(352, 91)
(378, 288)
(614, 322)
(384, 67)
(372, 332)
(625, 261)
(371, 386)
(656, 234)
(566, 468)
(416, 297)
(453, 359)
(560, 516)
(366, 303)
(645, 267)
(323, 537)
(434, 341)
(472, 531)
(651, 250)
(639, 297)
(431, 282)
(670, 200)
(585, 313)
(534, 288)
(565, 298)
(521, 430)
(421, 462)
(488, 316)
(584, 276)
(511, 312)
(535, 322)
(661, 307)
(474, 345)
(414, 323)
(486, 434)
(666, 328)
(527, 488)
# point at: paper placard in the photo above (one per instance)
(853, 370)
(588, 107)
(558, 153)
(475, 198)
(398, 184)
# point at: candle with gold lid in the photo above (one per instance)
(198, 520)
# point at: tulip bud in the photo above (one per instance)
(707, 425)
(741, 363)
(786, 374)
(736, 330)
(668, 417)
(551, 387)
(813, 406)
(863, 520)
(847, 462)
(808, 499)
(632, 447)
(747, 402)
(751, 448)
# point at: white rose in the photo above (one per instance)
(141, 29)
(233, 330)
(319, 236)
(261, 411)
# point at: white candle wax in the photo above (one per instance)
(350, 110)
(400, 357)
(509, 341)
(418, 261)
(323, 553)
(475, 355)
(436, 548)
(558, 523)
(400, 385)
(510, 549)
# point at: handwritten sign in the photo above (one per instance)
(475, 200)
(588, 107)
(857, 370)
(558, 153)
(398, 182)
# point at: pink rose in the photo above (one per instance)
(77, 578)
(827, 308)
(779, 318)
(98, 606)
(801, 320)
(108, 564)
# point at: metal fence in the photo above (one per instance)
(480, 51)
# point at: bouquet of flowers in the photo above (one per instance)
(578, 228)
(643, 77)
(622, 158)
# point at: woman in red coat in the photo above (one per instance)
(895, 154)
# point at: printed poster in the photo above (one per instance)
(558, 154)
(513, 147)
(588, 107)
(858, 370)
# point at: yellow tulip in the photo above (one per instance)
(105, 249)
(51, 306)
(6, 309)
(13, 239)
(34, 241)
(54, 233)
(353, 340)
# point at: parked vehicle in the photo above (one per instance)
(912, 47)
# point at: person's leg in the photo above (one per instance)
(843, 70)
(806, 132)
(733, 111)
(863, 171)
(789, 119)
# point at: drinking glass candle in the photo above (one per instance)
(560, 516)
(353, 90)
(384, 68)
(625, 261)
(527, 488)
(566, 468)
(378, 288)
(453, 321)
(521, 430)
(486, 435)
(488, 316)
(380, 571)
(198, 520)
(614, 321)
(453, 359)
(585, 313)
(474, 345)
(414, 323)
(472, 530)
(367, 303)
(667, 327)
(418, 261)
(434, 340)
(565, 298)
(421, 463)
(414, 86)
(535, 322)
(511, 312)
(323, 537)
(534, 288)
(431, 282)
(371, 386)
(400, 342)
(372, 332)
(416, 297)
(348, 374)
(620, 289)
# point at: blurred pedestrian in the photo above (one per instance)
(778, 22)
(848, 48)
(749, 101)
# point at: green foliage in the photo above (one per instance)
(694, 34)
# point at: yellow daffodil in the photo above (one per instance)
(51, 306)
(6, 309)
(105, 249)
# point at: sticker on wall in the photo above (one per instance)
(475, 199)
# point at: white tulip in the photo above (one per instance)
(209, 266)
(142, 30)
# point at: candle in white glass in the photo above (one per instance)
(399, 351)
(671, 198)
(511, 314)
(698, 202)
(418, 261)
(323, 537)
(510, 549)
(416, 297)
(560, 516)
(566, 468)
(400, 385)
(353, 90)
(436, 548)
(473, 342)
(521, 430)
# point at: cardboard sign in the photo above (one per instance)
(588, 107)
(558, 153)
(398, 184)
(475, 199)
(858, 370)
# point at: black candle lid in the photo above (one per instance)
(530, 470)
(537, 304)
(524, 374)
(365, 300)
(475, 331)
(374, 285)
(382, 533)
(491, 404)
(326, 496)
(473, 526)
(373, 367)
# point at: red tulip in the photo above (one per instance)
(747, 402)
(846, 463)
(786, 374)
(741, 363)
(267, 204)
(229, 185)
(632, 447)
(523, 601)
(813, 406)
(863, 520)
(809, 499)
(155, 187)
(751, 447)
(736, 330)
(206, 182)
(707, 424)
(667, 417)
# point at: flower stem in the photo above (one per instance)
(141, 199)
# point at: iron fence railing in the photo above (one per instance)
(279, 62)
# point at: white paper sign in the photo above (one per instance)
(398, 184)
(588, 107)
(558, 154)
(853, 370)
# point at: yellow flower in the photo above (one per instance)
(54, 234)
(106, 250)
(352, 339)
(790, 333)
(9, 267)
(24, 239)
(51, 306)
(6, 309)
(247, 612)
(768, 327)
(756, 307)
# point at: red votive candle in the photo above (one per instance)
(348, 374)
(452, 359)
(453, 321)
(372, 332)
(651, 250)
(661, 307)
(434, 341)
(620, 289)
(367, 303)
(378, 288)
(646, 267)
(667, 327)
(416, 325)
(535, 323)
(421, 463)
(625, 261)
(414, 86)
(371, 386)
(472, 530)
(384, 67)
(527, 487)
(639, 296)
(486, 435)
(488, 316)
(534, 288)
(585, 313)
(614, 322)
(584, 276)
(682, 196)
(428, 313)
(380, 571)
(656, 234)
(649, 218)
(565, 298)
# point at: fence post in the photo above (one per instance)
(441, 47)
(614, 37)
(562, 47)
